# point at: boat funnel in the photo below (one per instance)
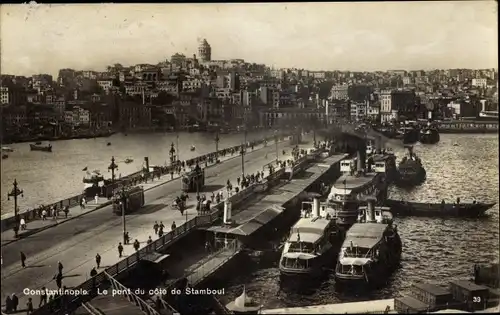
(370, 211)
(378, 144)
(361, 162)
(227, 212)
(410, 151)
(316, 208)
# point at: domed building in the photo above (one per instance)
(204, 51)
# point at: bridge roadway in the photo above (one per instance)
(75, 243)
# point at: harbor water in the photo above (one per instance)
(433, 249)
(49, 177)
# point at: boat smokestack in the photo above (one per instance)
(315, 208)
(361, 162)
(378, 144)
(410, 152)
(227, 212)
(370, 209)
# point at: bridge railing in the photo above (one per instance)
(143, 305)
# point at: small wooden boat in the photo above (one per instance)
(193, 148)
(429, 136)
(109, 143)
(422, 209)
(39, 147)
(7, 149)
(455, 144)
(129, 160)
(5, 156)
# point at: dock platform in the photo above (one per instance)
(365, 307)
(259, 213)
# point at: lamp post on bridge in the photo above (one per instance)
(242, 152)
(123, 200)
(276, 144)
(112, 167)
(217, 140)
(15, 192)
(172, 154)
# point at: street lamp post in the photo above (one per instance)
(172, 154)
(217, 140)
(15, 192)
(276, 143)
(123, 200)
(112, 167)
(243, 151)
(177, 145)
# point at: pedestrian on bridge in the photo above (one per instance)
(15, 302)
(23, 260)
(66, 211)
(173, 226)
(93, 272)
(156, 226)
(126, 238)
(149, 240)
(60, 267)
(98, 260)
(43, 297)
(58, 277)
(136, 245)
(120, 250)
(160, 232)
(96, 198)
(44, 214)
(29, 306)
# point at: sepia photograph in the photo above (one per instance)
(249, 158)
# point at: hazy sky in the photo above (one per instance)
(316, 36)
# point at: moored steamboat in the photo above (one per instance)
(312, 244)
(357, 183)
(371, 250)
(411, 171)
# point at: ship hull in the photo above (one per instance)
(39, 148)
(410, 137)
(429, 138)
(320, 264)
(410, 180)
(417, 209)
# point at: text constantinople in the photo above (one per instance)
(73, 292)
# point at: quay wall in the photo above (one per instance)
(9, 220)
(464, 126)
(123, 267)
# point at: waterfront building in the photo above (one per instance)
(480, 82)
(278, 116)
(396, 103)
(4, 95)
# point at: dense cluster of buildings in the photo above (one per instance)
(186, 90)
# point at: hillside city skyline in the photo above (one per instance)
(268, 36)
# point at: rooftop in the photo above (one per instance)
(347, 181)
(364, 235)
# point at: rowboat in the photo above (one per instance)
(421, 209)
(40, 147)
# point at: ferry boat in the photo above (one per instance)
(409, 134)
(356, 184)
(371, 250)
(411, 171)
(312, 244)
(40, 147)
(429, 135)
